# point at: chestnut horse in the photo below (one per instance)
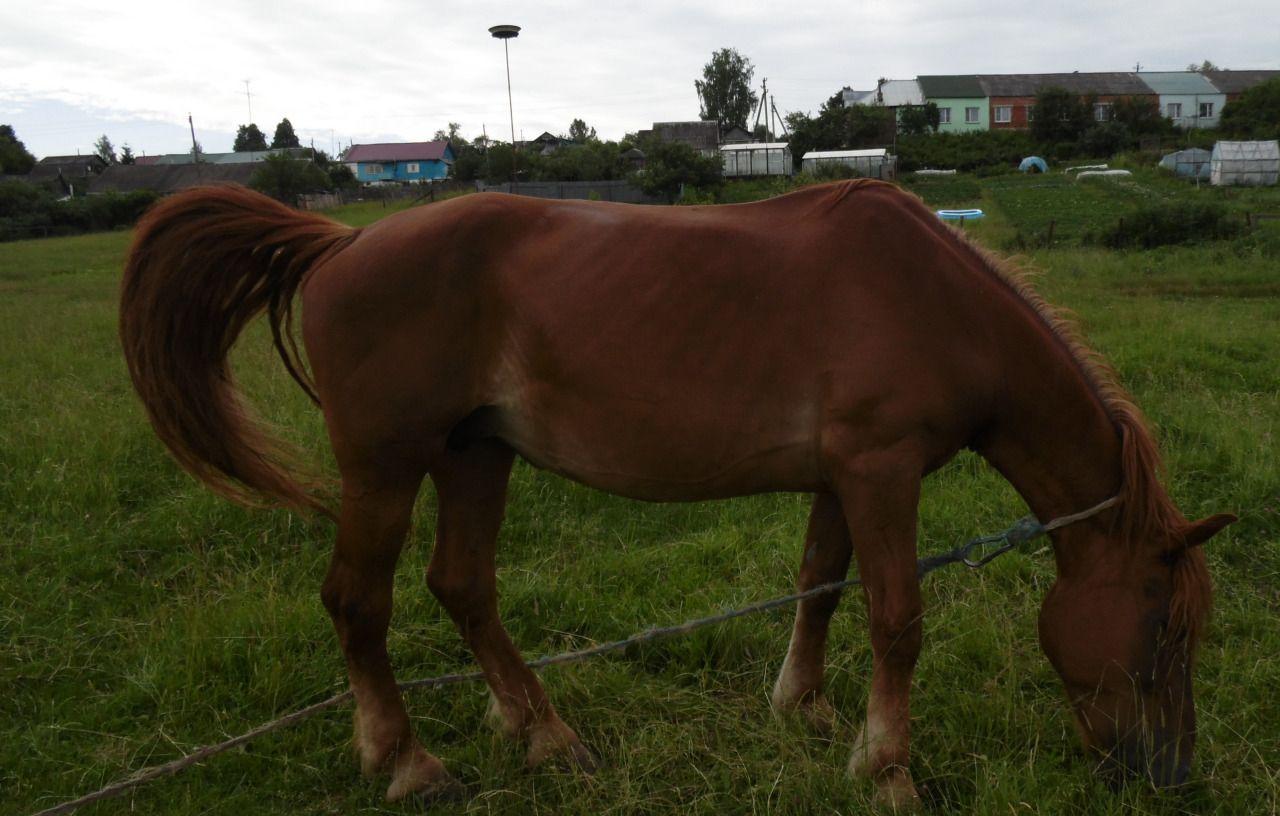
(839, 340)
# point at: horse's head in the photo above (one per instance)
(1121, 631)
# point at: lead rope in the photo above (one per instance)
(973, 554)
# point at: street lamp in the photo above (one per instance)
(504, 33)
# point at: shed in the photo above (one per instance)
(871, 163)
(757, 159)
(1245, 163)
(1190, 163)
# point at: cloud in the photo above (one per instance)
(383, 69)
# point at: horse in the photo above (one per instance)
(839, 340)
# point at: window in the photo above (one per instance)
(1031, 113)
(1004, 113)
(970, 116)
(373, 169)
(1173, 110)
(411, 167)
(1206, 110)
(944, 116)
(1102, 112)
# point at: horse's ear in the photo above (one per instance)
(1198, 532)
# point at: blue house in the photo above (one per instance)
(400, 161)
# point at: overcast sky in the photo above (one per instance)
(392, 70)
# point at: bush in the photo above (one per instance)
(964, 151)
(28, 211)
(1173, 223)
(285, 178)
(1106, 139)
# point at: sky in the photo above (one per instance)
(392, 70)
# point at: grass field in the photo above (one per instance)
(140, 616)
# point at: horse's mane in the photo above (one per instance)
(1145, 513)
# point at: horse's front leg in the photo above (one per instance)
(471, 486)
(827, 551)
(879, 492)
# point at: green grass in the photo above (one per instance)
(141, 616)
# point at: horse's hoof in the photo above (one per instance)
(817, 711)
(895, 791)
(422, 775)
(555, 740)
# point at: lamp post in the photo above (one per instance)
(504, 33)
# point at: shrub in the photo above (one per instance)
(1173, 223)
(964, 151)
(27, 211)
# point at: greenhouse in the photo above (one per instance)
(1190, 163)
(757, 159)
(1245, 163)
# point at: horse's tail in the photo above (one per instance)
(204, 262)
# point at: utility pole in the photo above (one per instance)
(195, 148)
(248, 98)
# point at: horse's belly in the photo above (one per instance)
(643, 456)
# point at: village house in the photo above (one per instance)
(394, 162)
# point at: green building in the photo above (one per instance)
(962, 103)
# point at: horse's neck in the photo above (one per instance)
(1052, 438)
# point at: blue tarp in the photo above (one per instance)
(1033, 163)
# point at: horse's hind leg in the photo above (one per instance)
(827, 551)
(357, 592)
(471, 485)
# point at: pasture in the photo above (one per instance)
(141, 616)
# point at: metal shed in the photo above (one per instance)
(757, 159)
(1190, 163)
(1245, 163)
(871, 163)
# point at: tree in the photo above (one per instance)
(14, 156)
(248, 138)
(915, 120)
(580, 133)
(671, 165)
(1202, 67)
(126, 154)
(451, 135)
(1255, 114)
(724, 91)
(284, 178)
(284, 135)
(1061, 116)
(837, 127)
(1141, 115)
(105, 150)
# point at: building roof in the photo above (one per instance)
(1239, 81)
(895, 93)
(239, 157)
(1108, 83)
(51, 167)
(398, 151)
(1178, 82)
(850, 97)
(755, 146)
(1266, 152)
(951, 86)
(168, 178)
(869, 153)
(698, 134)
(90, 158)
